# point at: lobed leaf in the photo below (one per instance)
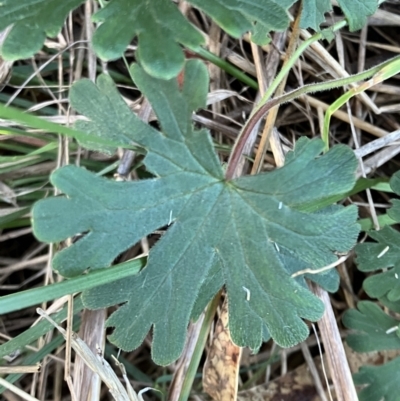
(220, 233)
(159, 26)
(371, 327)
(383, 254)
(238, 16)
(394, 211)
(356, 12)
(31, 21)
(313, 13)
(394, 306)
(382, 382)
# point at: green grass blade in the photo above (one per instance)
(30, 120)
(24, 299)
(6, 219)
(40, 355)
(33, 333)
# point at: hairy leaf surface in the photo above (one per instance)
(219, 232)
(371, 325)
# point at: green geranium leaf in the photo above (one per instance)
(238, 16)
(394, 306)
(32, 20)
(383, 254)
(260, 35)
(219, 232)
(394, 211)
(356, 12)
(159, 26)
(382, 382)
(313, 13)
(371, 325)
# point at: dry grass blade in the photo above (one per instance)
(20, 369)
(92, 331)
(17, 391)
(5, 66)
(95, 362)
(299, 384)
(334, 351)
(269, 135)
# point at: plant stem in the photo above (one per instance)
(271, 119)
(390, 68)
(246, 130)
(227, 67)
(296, 55)
(263, 109)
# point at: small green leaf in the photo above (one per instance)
(394, 211)
(371, 325)
(382, 382)
(313, 13)
(385, 254)
(395, 182)
(219, 232)
(32, 20)
(237, 16)
(260, 35)
(357, 11)
(159, 26)
(377, 286)
(393, 306)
